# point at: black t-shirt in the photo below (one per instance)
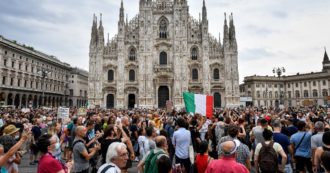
(105, 145)
(133, 129)
(36, 131)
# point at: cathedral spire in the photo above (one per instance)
(101, 32)
(232, 34)
(121, 12)
(225, 31)
(204, 12)
(325, 58)
(94, 36)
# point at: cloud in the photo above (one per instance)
(270, 33)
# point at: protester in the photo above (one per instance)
(181, 142)
(81, 156)
(284, 141)
(242, 153)
(227, 162)
(149, 162)
(116, 159)
(266, 155)
(203, 158)
(48, 144)
(301, 145)
(320, 150)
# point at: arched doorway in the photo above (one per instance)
(24, 101)
(217, 100)
(16, 101)
(70, 103)
(110, 101)
(10, 99)
(163, 96)
(2, 98)
(35, 101)
(131, 101)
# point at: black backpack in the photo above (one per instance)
(267, 159)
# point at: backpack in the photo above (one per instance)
(150, 165)
(105, 169)
(267, 160)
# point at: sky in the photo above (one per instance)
(270, 33)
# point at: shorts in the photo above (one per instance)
(301, 162)
(34, 149)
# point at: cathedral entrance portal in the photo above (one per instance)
(110, 101)
(131, 101)
(163, 96)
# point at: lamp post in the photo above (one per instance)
(44, 73)
(279, 72)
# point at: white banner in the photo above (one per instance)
(63, 112)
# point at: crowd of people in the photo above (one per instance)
(251, 139)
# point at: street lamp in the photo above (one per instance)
(44, 73)
(279, 71)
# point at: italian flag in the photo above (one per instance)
(198, 103)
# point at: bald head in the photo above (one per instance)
(160, 141)
(227, 147)
(81, 131)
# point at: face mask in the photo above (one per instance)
(57, 146)
(17, 137)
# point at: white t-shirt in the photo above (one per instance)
(113, 169)
(277, 147)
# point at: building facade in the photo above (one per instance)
(295, 90)
(78, 86)
(30, 78)
(159, 54)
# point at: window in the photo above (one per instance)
(281, 85)
(297, 94)
(289, 94)
(324, 82)
(314, 83)
(194, 53)
(110, 75)
(324, 92)
(11, 81)
(270, 94)
(132, 54)
(263, 85)
(276, 94)
(5, 52)
(305, 93)
(80, 93)
(163, 28)
(85, 93)
(163, 58)
(31, 84)
(19, 66)
(264, 94)
(4, 80)
(258, 94)
(257, 85)
(32, 69)
(37, 85)
(25, 83)
(305, 84)
(275, 86)
(194, 74)
(297, 84)
(216, 74)
(26, 67)
(13, 64)
(5, 62)
(249, 86)
(71, 92)
(131, 75)
(315, 92)
(249, 93)
(289, 85)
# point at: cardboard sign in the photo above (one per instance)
(25, 110)
(82, 111)
(63, 112)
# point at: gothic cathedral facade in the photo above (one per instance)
(159, 54)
